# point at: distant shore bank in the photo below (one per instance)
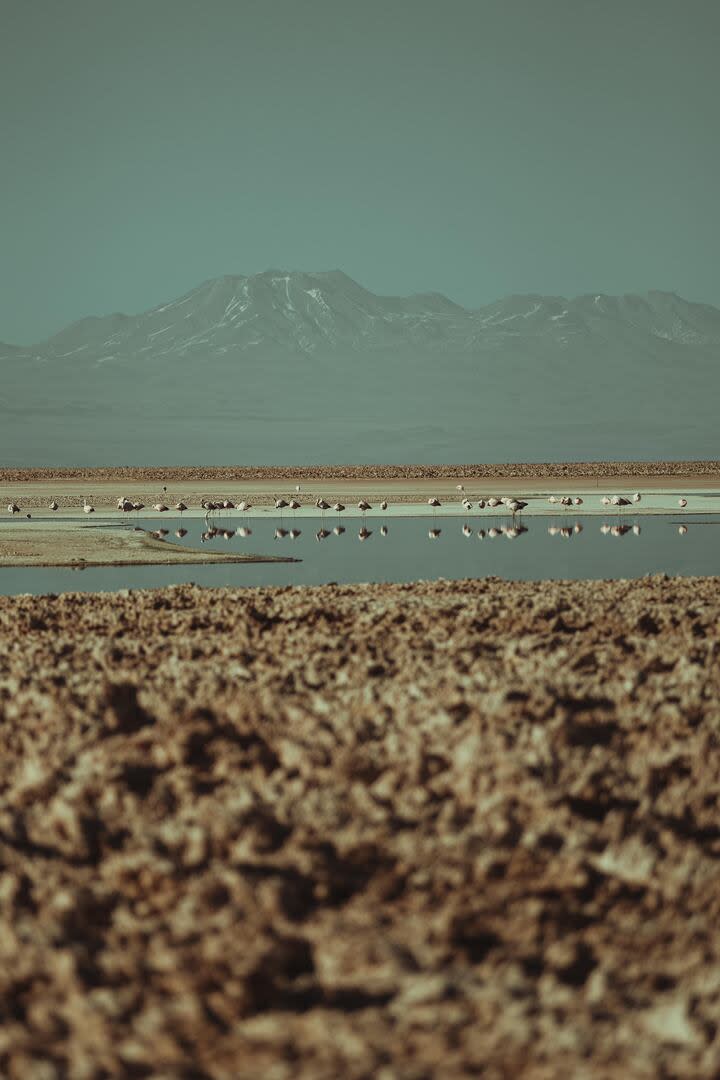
(617, 470)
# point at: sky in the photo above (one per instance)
(474, 147)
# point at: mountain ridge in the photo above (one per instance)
(305, 310)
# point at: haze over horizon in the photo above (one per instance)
(479, 149)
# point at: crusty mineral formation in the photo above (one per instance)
(198, 474)
(436, 830)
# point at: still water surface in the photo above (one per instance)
(409, 551)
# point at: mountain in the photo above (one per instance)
(293, 366)
(306, 313)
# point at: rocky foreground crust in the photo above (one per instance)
(445, 829)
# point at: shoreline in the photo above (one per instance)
(57, 544)
(659, 492)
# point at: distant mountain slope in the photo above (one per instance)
(307, 313)
(300, 366)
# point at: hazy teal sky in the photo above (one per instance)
(476, 147)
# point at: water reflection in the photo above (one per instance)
(511, 531)
(565, 531)
(668, 545)
(516, 528)
(619, 530)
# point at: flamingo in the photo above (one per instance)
(322, 505)
(87, 507)
(138, 506)
(682, 503)
(636, 497)
(515, 506)
(459, 487)
(481, 504)
(467, 504)
(577, 501)
(605, 500)
(493, 502)
(280, 505)
(338, 507)
(364, 506)
(54, 505)
(294, 505)
(180, 507)
(13, 508)
(552, 500)
(384, 505)
(434, 503)
(160, 507)
(244, 506)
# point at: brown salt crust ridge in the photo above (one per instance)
(188, 473)
(441, 829)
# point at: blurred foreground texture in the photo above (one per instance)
(445, 829)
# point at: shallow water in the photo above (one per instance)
(409, 552)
